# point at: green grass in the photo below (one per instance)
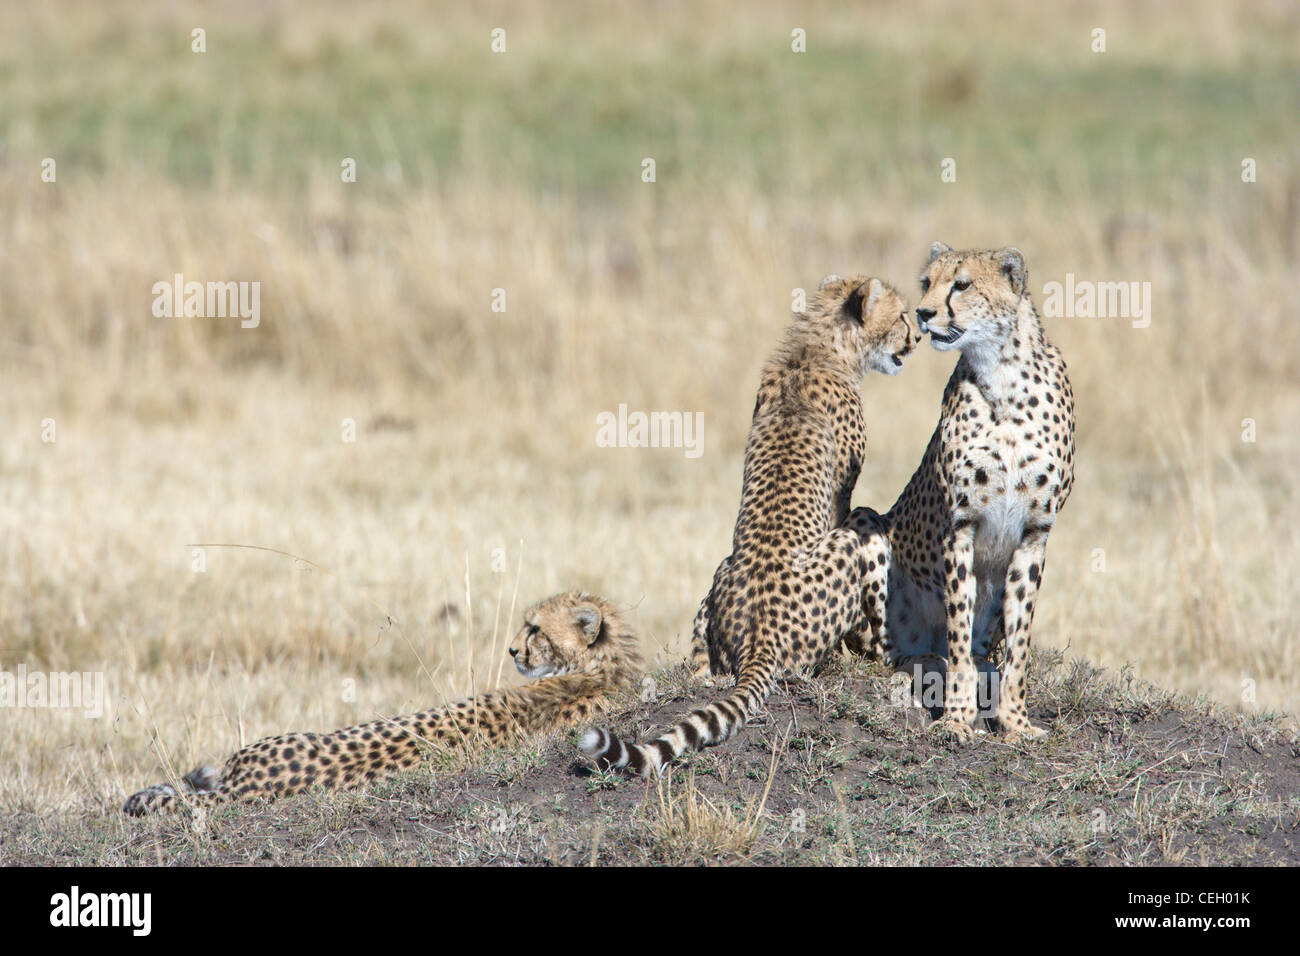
(581, 117)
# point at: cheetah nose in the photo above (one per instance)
(514, 651)
(923, 316)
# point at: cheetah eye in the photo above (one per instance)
(961, 285)
(925, 284)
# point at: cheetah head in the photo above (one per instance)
(570, 633)
(867, 322)
(969, 299)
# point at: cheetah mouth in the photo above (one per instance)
(946, 338)
(540, 670)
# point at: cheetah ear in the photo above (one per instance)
(853, 305)
(863, 299)
(828, 280)
(1012, 262)
(874, 290)
(937, 249)
(588, 619)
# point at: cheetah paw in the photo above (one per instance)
(954, 729)
(203, 779)
(1023, 733)
(704, 677)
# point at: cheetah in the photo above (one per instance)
(966, 540)
(575, 645)
(791, 589)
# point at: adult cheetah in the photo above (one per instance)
(967, 538)
(791, 589)
(576, 645)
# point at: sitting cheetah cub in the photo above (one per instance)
(792, 589)
(575, 645)
(967, 538)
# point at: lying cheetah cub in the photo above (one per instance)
(967, 538)
(576, 645)
(792, 587)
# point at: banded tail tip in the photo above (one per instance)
(593, 742)
(135, 806)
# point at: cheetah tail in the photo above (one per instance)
(203, 787)
(706, 727)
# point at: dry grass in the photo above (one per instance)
(687, 827)
(476, 429)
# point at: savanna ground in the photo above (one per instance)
(475, 484)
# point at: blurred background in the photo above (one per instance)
(475, 484)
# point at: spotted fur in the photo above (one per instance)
(576, 645)
(790, 590)
(967, 538)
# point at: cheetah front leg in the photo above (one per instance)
(1019, 597)
(873, 551)
(959, 699)
(201, 787)
(917, 679)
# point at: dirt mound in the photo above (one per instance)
(836, 772)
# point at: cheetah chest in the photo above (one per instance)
(1009, 493)
(1009, 487)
